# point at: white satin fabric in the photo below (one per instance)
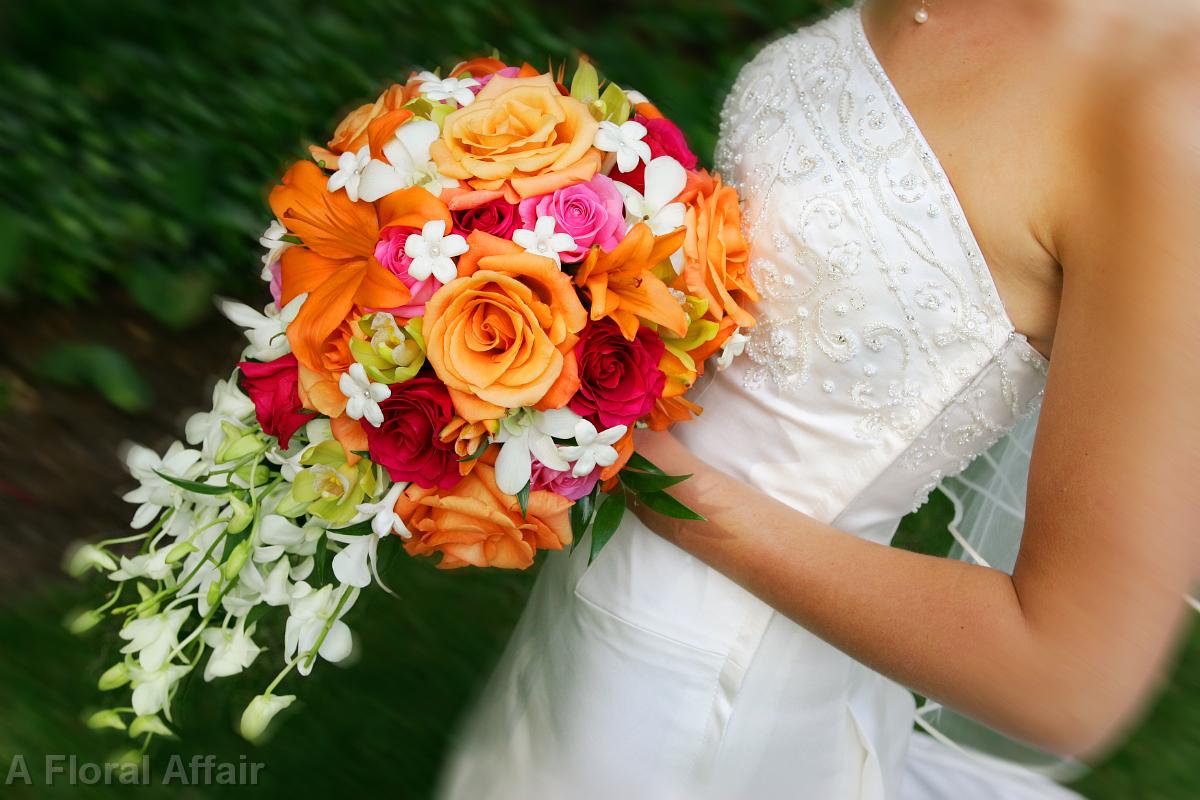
(884, 361)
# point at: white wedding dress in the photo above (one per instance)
(884, 361)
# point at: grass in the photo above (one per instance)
(379, 724)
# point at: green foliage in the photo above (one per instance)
(98, 367)
(141, 137)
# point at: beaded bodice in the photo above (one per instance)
(884, 359)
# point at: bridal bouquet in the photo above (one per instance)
(480, 286)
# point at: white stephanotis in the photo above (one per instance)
(592, 448)
(266, 331)
(312, 613)
(152, 687)
(433, 252)
(665, 179)
(153, 637)
(233, 650)
(734, 346)
(349, 173)
(155, 492)
(626, 140)
(525, 434)
(408, 164)
(383, 516)
(441, 89)
(362, 395)
(229, 404)
(543, 241)
(272, 241)
(147, 565)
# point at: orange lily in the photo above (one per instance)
(621, 285)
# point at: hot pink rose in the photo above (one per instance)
(591, 213)
(665, 139)
(272, 388)
(499, 218)
(389, 251)
(562, 482)
(408, 443)
(619, 380)
(507, 72)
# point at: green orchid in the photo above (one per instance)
(392, 354)
(700, 330)
(423, 108)
(328, 487)
(611, 105)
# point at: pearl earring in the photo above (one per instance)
(922, 15)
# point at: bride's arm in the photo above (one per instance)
(1062, 652)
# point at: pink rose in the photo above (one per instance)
(562, 482)
(591, 213)
(665, 139)
(272, 389)
(408, 444)
(498, 217)
(389, 251)
(619, 380)
(507, 72)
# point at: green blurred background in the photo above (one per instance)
(137, 141)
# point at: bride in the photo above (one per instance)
(937, 196)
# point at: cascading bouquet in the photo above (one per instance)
(480, 286)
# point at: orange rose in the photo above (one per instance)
(715, 252)
(351, 133)
(475, 524)
(498, 336)
(520, 137)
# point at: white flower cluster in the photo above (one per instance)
(229, 527)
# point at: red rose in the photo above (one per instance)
(619, 380)
(408, 443)
(498, 217)
(272, 389)
(665, 139)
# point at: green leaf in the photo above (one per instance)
(649, 481)
(523, 499)
(321, 561)
(231, 542)
(479, 451)
(581, 515)
(357, 529)
(194, 486)
(608, 519)
(668, 506)
(100, 367)
(362, 454)
(640, 463)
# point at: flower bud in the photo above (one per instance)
(149, 723)
(180, 551)
(214, 593)
(84, 621)
(253, 475)
(260, 712)
(114, 677)
(84, 557)
(105, 719)
(237, 559)
(237, 443)
(242, 514)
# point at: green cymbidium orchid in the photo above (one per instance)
(329, 488)
(700, 330)
(391, 354)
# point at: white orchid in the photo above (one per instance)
(266, 331)
(229, 404)
(525, 434)
(83, 557)
(233, 650)
(313, 613)
(408, 164)
(383, 516)
(362, 396)
(433, 252)
(280, 535)
(592, 448)
(153, 637)
(259, 713)
(626, 140)
(358, 562)
(441, 89)
(665, 179)
(152, 687)
(734, 346)
(148, 565)
(155, 492)
(543, 241)
(349, 173)
(272, 241)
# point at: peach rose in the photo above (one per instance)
(521, 137)
(475, 524)
(715, 252)
(499, 335)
